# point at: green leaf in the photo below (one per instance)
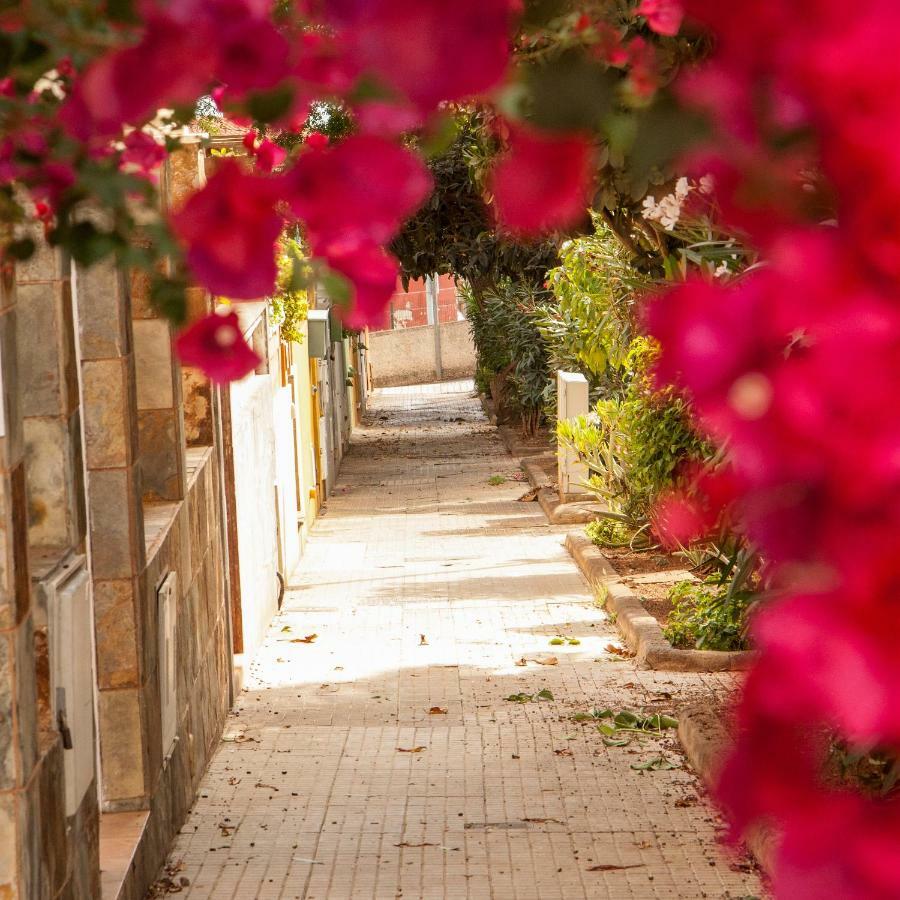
(659, 763)
(544, 695)
(337, 287)
(267, 106)
(21, 249)
(570, 92)
(169, 296)
(626, 719)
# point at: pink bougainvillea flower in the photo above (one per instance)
(386, 119)
(143, 153)
(544, 182)
(215, 345)
(229, 229)
(129, 85)
(643, 71)
(663, 16)
(365, 186)
(372, 273)
(253, 55)
(412, 44)
(269, 156)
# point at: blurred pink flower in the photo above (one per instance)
(663, 16)
(544, 182)
(215, 345)
(229, 229)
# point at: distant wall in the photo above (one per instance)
(406, 355)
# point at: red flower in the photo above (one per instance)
(215, 345)
(230, 228)
(364, 186)
(129, 85)
(269, 156)
(371, 271)
(430, 51)
(663, 16)
(543, 182)
(142, 153)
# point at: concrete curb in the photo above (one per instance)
(641, 631)
(704, 735)
(558, 512)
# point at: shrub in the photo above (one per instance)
(706, 616)
(635, 444)
(512, 355)
(289, 303)
(609, 533)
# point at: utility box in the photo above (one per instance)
(572, 401)
(70, 620)
(317, 330)
(167, 606)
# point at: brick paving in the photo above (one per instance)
(381, 760)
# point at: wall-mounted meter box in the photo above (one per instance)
(317, 329)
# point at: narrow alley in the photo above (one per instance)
(376, 751)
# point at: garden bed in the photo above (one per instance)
(639, 626)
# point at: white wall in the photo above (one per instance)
(406, 355)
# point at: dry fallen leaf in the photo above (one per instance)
(617, 651)
(437, 711)
(407, 844)
(528, 496)
(423, 641)
(411, 749)
(309, 639)
(547, 661)
(522, 662)
(227, 830)
(565, 751)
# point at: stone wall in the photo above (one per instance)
(103, 495)
(187, 539)
(407, 355)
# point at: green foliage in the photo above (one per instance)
(289, 303)
(634, 443)
(590, 322)
(512, 355)
(454, 232)
(609, 532)
(705, 616)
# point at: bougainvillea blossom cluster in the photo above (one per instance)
(795, 368)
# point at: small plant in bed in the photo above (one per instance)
(609, 532)
(706, 616)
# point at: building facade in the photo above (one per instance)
(148, 523)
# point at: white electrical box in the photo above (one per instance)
(572, 400)
(167, 605)
(70, 625)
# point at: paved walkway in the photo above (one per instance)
(382, 760)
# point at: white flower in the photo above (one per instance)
(682, 188)
(669, 211)
(722, 270)
(707, 183)
(50, 81)
(651, 211)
